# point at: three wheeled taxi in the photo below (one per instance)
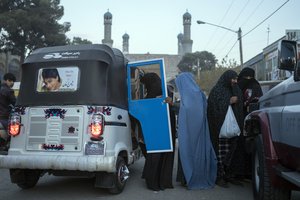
(73, 116)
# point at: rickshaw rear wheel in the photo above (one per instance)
(25, 179)
(120, 176)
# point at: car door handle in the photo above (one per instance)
(267, 104)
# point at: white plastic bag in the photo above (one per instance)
(230, 127)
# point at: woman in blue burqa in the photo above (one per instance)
(197, 156)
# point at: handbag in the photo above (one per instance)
(230, 128)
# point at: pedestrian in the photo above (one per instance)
(250, 87)
(251, 91)
(7, 101)
(226, 92)
(197, 163)
(152, 84)
(158, 168)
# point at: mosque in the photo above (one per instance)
(171, 61)
(11, 63)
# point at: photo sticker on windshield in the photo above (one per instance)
(61, 79)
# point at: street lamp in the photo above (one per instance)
(239, 33)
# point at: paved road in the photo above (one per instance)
(57, 188)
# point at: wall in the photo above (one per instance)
(10, 63)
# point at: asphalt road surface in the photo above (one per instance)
(74, 188)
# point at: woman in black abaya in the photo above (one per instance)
(250, 88)
(158, 167)
(251, 91)
(226, 92)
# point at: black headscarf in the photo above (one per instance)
(152, 83)
(218, 102)
(246, 79)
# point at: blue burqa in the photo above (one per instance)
(198, 158)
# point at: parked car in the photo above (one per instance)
(268, 85)
(273, 133)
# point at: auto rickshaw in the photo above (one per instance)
(73, 116)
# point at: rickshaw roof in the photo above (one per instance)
(98, 52)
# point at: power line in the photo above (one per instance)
(252, 13)
(222, 19)
(237, 17)
(257, 26)
(265, 19)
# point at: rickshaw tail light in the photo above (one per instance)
(96, 129)
(97, 125)
(14, 129)
(14, 125)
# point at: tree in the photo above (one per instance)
(209, 78)
(79, 40)
(228, 63)
(203, 60)
(29, 24)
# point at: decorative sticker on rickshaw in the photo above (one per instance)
(20, 110)
(71, 130)
(60, 79)
(105, 110)
(55, 112)
(56, 147)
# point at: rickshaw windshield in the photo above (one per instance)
(58, 79)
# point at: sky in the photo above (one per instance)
(153, 25)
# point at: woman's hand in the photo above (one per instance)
(233, 99)
(169, 100)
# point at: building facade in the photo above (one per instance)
(266, 63)
(10, 63)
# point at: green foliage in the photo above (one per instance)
(203, 60)
(228, 63)
(79, 40)
(209, 78)
(29, 24)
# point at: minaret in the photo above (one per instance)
(107, 29)
(125, 43)
(187, 43)
(180, 38)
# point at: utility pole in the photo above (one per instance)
(268, 31)
(239, 33)
(6, 61)
(198, 69)
(241, 47)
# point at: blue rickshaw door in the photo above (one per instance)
(152, 113)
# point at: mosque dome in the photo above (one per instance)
(180, 36)
(125, 36)
(107, 15)
(187, 15)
